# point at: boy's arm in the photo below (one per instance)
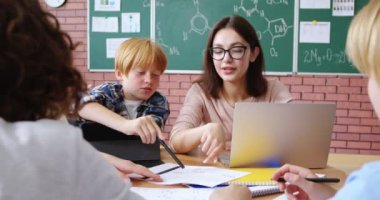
(145, 127)
(95, 109)
(98, 113)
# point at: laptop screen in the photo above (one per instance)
(295, 133)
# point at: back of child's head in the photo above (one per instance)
(139, 53)
(363, 40)
(36, 72)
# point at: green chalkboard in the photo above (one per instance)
(331, 57)
(182, 26)
(97, 41)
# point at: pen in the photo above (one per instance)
(168, 170)
(171, 153)
(316, 180)
(163, 172)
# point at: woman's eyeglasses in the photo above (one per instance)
(236, 52)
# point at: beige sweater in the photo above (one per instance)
(198, 109)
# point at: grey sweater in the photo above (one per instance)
(48, 159)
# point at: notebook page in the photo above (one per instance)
(173, 193)
(198, 175)
(193, 194)
(257, 176)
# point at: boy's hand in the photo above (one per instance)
(145, 127)
(213, 140)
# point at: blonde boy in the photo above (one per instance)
(132, 105)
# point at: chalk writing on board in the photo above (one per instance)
(173, 50)
(320, 58)
(276, 28)
(182, 27)
(198, 23)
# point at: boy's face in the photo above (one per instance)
(139, 84)
(374, 94)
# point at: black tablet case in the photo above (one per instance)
(124, 146)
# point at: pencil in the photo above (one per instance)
(171, 153)
(316, 180)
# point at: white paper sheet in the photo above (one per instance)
(130, 22)
(185, 193)
(105, 24)
(107, 5)
(173, 193)
(281, 197)
(343, 8)
(314, 32)
(315, 4)
(112, 46)
(162, 167)
(198, 175)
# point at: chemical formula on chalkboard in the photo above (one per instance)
(324, 58)
(182, 27)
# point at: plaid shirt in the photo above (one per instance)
(111, 95)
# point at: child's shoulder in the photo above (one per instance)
(108, 86)
(157, 95)
(156, 98)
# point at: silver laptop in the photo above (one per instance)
(268, 134)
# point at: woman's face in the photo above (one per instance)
(374, 94)
(233, 66)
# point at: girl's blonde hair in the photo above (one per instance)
(139, 53)
(363, 40)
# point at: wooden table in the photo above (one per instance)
(350, 162)
(339, 165)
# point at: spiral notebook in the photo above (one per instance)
(257, 176)
(260, 179)
(263, 190)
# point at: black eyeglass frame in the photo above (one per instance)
(228, 50)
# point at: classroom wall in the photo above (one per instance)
(356, 129)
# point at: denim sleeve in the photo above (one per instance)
(158, 107)
(103, 94)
